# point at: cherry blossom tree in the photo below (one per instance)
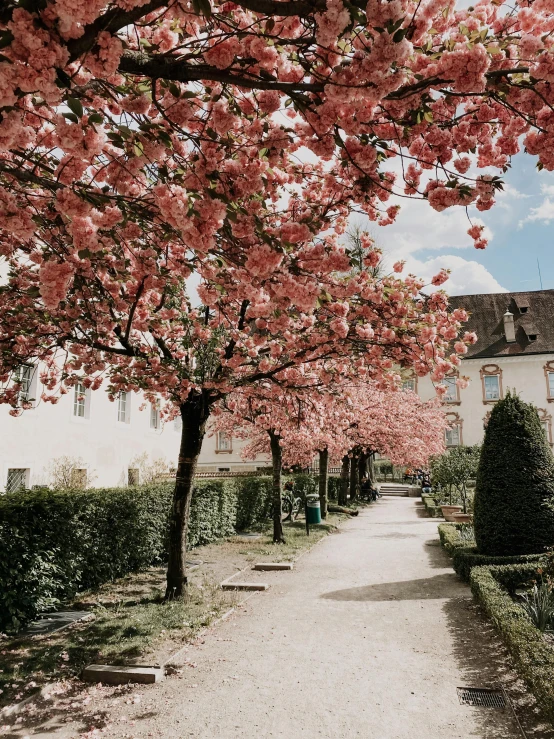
(149, 145)
(352, 421)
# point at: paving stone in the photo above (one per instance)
(51, 622)
(122, 674)
(244, 585)
(270, 566)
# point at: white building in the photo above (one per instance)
(108, 438)
(514, 350)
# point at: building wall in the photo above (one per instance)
(107, 446)
(525, 374)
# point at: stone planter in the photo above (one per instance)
(462, 517)
(449, 510)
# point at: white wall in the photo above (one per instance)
(34, 439)
(525, 374)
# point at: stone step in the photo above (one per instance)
(244, 586)
(122, 674)
(272, 566)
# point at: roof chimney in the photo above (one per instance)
(509, 328)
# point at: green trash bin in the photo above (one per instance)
(313, 509)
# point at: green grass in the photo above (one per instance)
(123, 629)
(131, 621)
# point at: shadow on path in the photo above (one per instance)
(427, 588)
(484, 661)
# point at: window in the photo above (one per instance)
(491, 380)
(80, 398)
(409, 384)
(154, 416)
(452, 436)
(78, 478)
(223, 442)
(546, 423)
(224, 469)
(123, 407)
(133, 476)
(451, 394)
(17, 480)
(24, 376)
(549, 375)
(492, 387)
(533, 337)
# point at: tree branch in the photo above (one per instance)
(175, 69)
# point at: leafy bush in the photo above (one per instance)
(465, 555)
(333, 486)
(533, 656)
(539, 606)
(254, 501)
(453, 470)
(55, 543)
(515, 483)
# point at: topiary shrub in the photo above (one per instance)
(513, 511)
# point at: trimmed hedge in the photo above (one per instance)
(533, 656)
(514, 499)
(465, 556)
(333, 487)
(254, 501)
(430, 507)
(56, 543)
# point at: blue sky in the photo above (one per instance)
(521, 227)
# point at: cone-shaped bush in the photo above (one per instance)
(515, 483)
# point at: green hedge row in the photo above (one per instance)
(56, 543)
(465, 555)
(533, 656)
(433, 510)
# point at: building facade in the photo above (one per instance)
(514, 351)
(111, 443)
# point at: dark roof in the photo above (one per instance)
(533, 316)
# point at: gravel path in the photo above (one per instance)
(369, 637)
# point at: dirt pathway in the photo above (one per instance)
(369, 637)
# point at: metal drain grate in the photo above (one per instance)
(483, 697)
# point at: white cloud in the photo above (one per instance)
(543, 212)
(468, 277)
(419, 228)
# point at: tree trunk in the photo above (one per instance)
(344, 475)
(194, 413)
(277, 462)
(362, 468)
(323, 480)
(353, 478)
(371, 467)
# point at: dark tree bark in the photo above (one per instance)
(277, 462)
(362, 468)
(194, 412)
(353, 486)
(323, 480)
(344, 477)
(371, 467)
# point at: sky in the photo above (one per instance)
(520, 228)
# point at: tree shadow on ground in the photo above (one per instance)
(437, 557)
(484, 661)
(426, 588)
